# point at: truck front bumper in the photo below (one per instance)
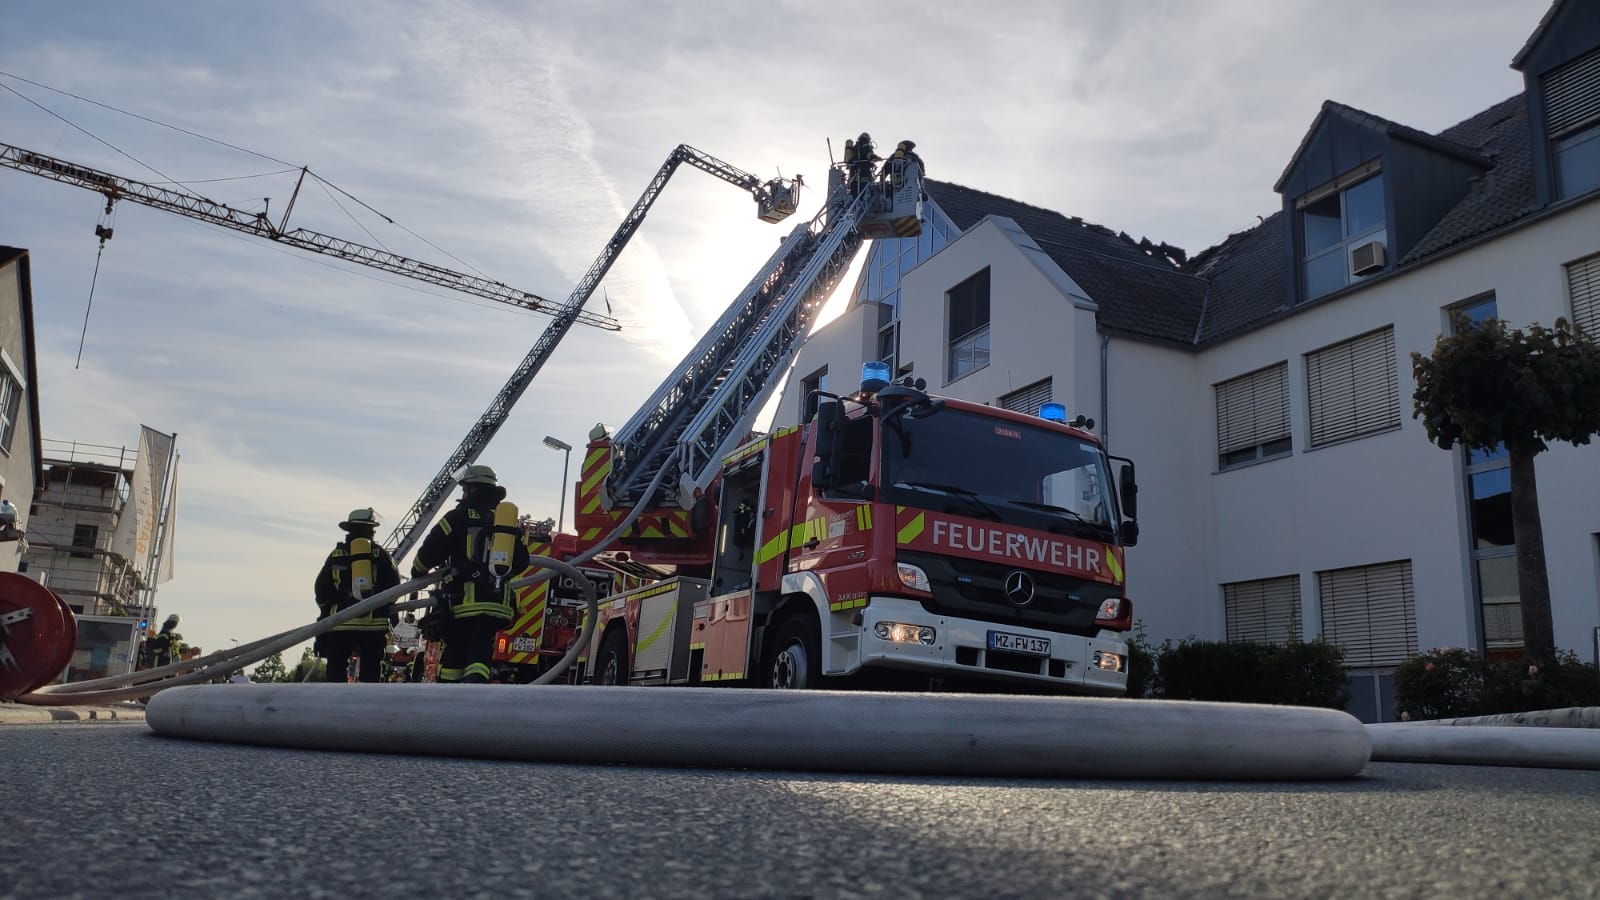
(1089, 665)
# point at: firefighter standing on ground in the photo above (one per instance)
(164, 647)
(356, 569)
(481, 542)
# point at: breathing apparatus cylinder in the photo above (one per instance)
(503, 546)
(361, 580)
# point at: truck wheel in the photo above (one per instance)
(613, 665)
(795, 659)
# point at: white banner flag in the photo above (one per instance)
(169, 535)
(134, 538)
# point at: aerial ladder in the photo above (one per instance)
(775, 200)
(708, 404)
(193, 206)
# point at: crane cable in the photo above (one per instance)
(102, 231)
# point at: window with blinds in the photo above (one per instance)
(1028, 400)
(1253, 417)
(1266, 611)
(1352, 388)
(1572, 120)
(1572, 95)
(1370, 611)
(1583, 285)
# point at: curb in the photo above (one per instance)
(24, 714)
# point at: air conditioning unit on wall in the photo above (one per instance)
(1366, 258)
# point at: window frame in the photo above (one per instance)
(1318, 399)
(974, 339)
(1341, 187)
(809, 385)
(1365, 644)
(12, 387)
(1277, 447)
(1240, 600)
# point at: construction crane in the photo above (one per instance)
(775, 200)
(193, 206)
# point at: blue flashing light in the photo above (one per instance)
(874, 376)
(143, 624)
(1053, 412)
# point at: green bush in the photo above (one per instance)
(1300, 674)
(1439, 684)
(1451, 683)
(1141, 663)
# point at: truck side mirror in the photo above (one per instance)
(830, 431)
(1129, 491)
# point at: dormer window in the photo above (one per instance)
(1343, 228)
(1572, 109)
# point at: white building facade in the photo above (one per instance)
(1264, 387)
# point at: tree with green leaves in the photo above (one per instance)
(271, 669)
(310, 668)
(1486, 386)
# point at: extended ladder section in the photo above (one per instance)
(708, 404)
(775, 201)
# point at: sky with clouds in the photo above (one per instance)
(514, 135)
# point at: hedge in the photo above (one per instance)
(1449, 683)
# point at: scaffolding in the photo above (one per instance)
(72, 522)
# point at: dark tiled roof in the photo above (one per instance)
(1241, 283)
(1439, 143)
(1503, 194)
(1140, 292)
(1248, 274)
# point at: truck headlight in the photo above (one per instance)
(1110, 608)
(904, 633)
(1110, 662)
(913, 577)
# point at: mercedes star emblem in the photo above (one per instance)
(1019, 588)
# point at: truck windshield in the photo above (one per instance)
(988, 468)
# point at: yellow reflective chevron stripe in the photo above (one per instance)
(593, 457)
(771, 549)
(593, 480)
(846, 605)
(866, 516)
(592, 505)
(912, 529)
(725, 676)
(591, 534)
(698, 646)
(1112, 564)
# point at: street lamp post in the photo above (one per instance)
(566, 460)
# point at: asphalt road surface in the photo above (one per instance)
(98, 810)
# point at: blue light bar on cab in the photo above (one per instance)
(874, 376)
(1053, 412)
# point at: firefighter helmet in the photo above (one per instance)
(172, 619)
(864, 138)
(478, 475)
(360, 519)
(907, 146)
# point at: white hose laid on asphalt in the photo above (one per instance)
(929, 734)
(1487, 745)
(149, 681)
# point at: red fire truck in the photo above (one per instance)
(549, 614)
(895, 534)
